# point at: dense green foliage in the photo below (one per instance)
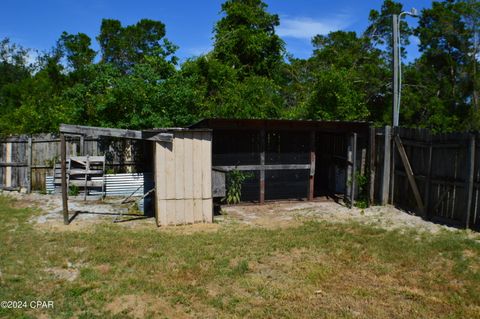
(135, 80)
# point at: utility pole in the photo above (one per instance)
(395, 69)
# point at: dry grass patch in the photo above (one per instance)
(232, 270)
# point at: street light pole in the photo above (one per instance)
(397, 64)
(395, 70)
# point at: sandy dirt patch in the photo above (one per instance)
(286, 214)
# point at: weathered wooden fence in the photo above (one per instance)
(25, 161)
(436, 176)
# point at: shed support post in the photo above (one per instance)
(470, 184)
(63, 154)
(29, 165)
(354, 169)
(262, 167)
(386, 166)
(311, 184)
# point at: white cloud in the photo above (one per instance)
(306, 28)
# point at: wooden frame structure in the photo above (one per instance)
(84, 131)
(279, 149)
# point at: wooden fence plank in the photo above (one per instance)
(470, 180)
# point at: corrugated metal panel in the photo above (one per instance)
(117, 184)
(49, 186)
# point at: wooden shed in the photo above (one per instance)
(183, 178)
(182, 165)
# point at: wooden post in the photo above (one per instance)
(29, 165)
(63, 152)
(262, 167)
(354, 169)
(470, 180)
(386, 166)
(8, 168)
(410, 175)
(82, 145)
(428, 182)
(392, 167)
(311, 184)
(371, 184)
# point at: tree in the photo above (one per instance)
(245, 38)
(77, 50)
(380, 29)
(126, 46)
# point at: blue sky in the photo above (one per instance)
(38, 24)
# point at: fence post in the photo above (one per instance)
(469, 182)
(29, 165)
(262, 170)
(63, 152)
(429, 177)
(386, 166)
(371, 184)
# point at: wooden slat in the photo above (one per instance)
(179, 212)
(170, 171)
(160, 170)
(179, 152)
(188, 166)
(206, 165)
(170, 212)
(197, 166)
(189, 215)
(198, 210)
(470, 180)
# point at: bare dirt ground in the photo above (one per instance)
(270, 215)
(284, 214)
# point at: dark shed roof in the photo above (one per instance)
(307, 125)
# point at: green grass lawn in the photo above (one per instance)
(317, 270)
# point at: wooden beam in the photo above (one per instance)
(410, 175)
(385, 190)
(311, 184)
(470, 173)
(63, 155)
(268, 167)
(115, 132)
(262, 167)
